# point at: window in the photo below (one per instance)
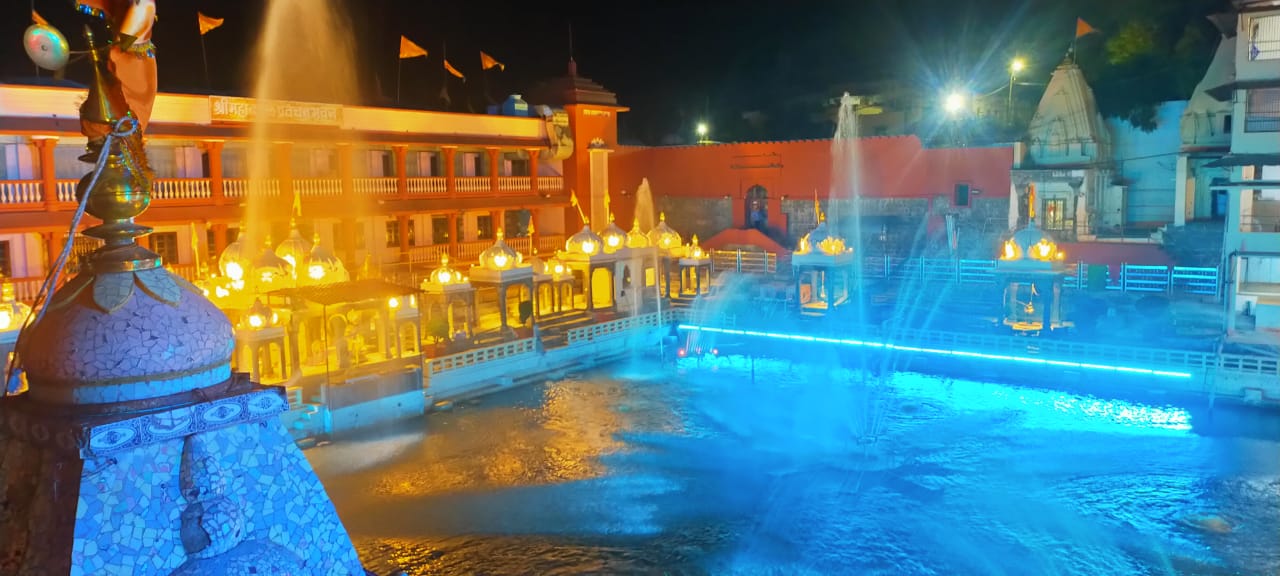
(393, 233)
(166, 245)
(439, 229)
(6, 266)
(961, 195)
(211, 243)
(1264, 38)
(1262, 110)
(484, 227)
(1226, 124)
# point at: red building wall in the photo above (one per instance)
(891, 167)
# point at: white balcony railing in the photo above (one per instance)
(551, 183)
(318, 186)
(428, 185)
(472, 183)
(514, 183)
(241, 187)
(20, 191)
(179, 188)
(376, 186)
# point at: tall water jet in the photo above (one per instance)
(306, 53)
(644, 205)
(845, 207)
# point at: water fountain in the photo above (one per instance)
(644, 210)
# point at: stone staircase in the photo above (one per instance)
(1198, 243)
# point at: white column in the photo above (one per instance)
(1082, 207)
(1180, 192)
(1013, 204)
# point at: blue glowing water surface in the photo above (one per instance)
(808, 470)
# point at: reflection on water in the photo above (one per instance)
(807, 470)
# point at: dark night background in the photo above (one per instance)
(675, 63)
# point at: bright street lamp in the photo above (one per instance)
(1015, 66)
(955, 103)
(702, 130)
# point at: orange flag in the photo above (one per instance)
(1083, 28)
(487, 62)
(207, 23)
(35, 17)
(410, 50)
(454, 71)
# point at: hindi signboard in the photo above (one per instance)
(233, 109)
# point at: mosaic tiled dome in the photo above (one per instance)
(126, 336)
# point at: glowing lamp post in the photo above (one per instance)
(1016, 66)
(702, 131)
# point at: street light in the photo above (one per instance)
(1015, 66)
(955, 102)
(702, 132)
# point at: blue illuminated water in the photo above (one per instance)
(700, 469)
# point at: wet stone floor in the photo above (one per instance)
(699, 469)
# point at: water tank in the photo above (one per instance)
(515, 106)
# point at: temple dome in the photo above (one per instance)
(322, 266)
(636, 238)
(444, 275)
(1067, 128)
(232, 261)
(613, 238)
(1031, 243)
(663, 237)
(584, 242)
(500, 256)
(270, 271)
(127, 336)
(294, 249)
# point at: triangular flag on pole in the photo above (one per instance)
(35, 17)
(487, 62)
(444, 95)
(207, 23)
(1083, 28)
(454, 71)
(410, 50)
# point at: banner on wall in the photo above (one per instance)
(231, 109)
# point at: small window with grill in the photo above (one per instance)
(1262, 110)
(166, 245)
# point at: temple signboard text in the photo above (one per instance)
(233, 109)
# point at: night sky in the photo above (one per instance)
(673, 62)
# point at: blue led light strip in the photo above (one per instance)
(936, 351)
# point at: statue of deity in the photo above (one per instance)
(124, 26)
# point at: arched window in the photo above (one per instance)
(757, 206)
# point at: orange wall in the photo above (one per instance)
(586, 122)
(892, 167)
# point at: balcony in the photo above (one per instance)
(29, 195)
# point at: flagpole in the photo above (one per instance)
(399, 64)
(204, 58)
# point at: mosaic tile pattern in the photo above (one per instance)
(87, 355)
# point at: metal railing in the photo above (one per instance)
(744, 261)
(1131, 278)
(1037, 347)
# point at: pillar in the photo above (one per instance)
(499, 219)
(345, 175)
(533, 227)
(450, 172)
(283, 170)
(52, 247)
(1180, 192)
(216, 189)
(219, 240)
(402, 224)
(402, 173)
(493, 169)
(533, 168)
(453, 235)
(502, 306)
(48, 173)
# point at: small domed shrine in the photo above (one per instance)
(1031, 269)
(322, 266)
(109, 456)
(502, 268)
(823, 267)
(450, 301)
(669, 245)
(695, 269)
(588, 261)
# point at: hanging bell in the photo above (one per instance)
(46, 46)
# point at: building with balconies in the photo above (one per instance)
(1251, 234)
(381, 185)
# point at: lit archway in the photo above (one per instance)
(757, 207)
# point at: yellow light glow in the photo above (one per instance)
(205, 291)
(1010, 250)
(290, 259)
(588, 247)
(413, 301)
(221, 292)
(1044, 248)
(559, 269)
(393, 302)
(275, 318)
(443, 277)
(500, 261)
(256, 320)
(613, 241)
(235, 271)
(315, 271)
(6, 319)
(1017, 65)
